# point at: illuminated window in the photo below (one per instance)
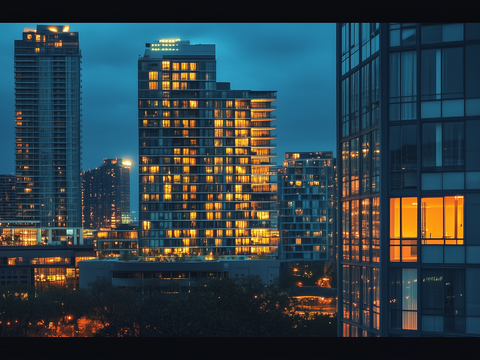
(192, 76)
(165, 85)
(153, 85)
(153, 75)
(166, 65)
(175, 66)
(193, 66)
(403, 229)
(442, 220)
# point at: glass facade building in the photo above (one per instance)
(106, 195)
(409, 180)
(205, 154)
(306, 206)
(48, 132)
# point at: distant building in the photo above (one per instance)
(48, 131)
(205, 157)
(123, 239)
(106, 195)
(8, 204)
(42, 266)
(42, 243)
(306, 206)
(180, 273)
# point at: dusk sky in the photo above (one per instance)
(296, 60)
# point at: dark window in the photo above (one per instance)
(442, 73)
(403, 85)
(366, 105)
(443, 300)
(443, 146)
(403, 157)
(472, 71)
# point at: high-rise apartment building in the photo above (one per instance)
(409, 179)
(47, 132)
(205, 155)
(106, 195)
(306, 206)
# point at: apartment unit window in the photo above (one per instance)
(345, 168)
(442, 220)
(375, 82)
(376, 161)
(354, 166)
(443, 300)
(443, 146)
(366, 214)
(445, 78)
(346, 107)
(403, 85)
(370, 39)
(350, 46)
(345, 230)
(403, 229)
(365, 163)
(365, 88)
(403, 157)
(403, 299)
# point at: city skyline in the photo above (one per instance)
(280, 63)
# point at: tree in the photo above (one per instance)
(114, 307)
(19, 311)
(64, 305)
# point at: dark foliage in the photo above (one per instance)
(213, 308)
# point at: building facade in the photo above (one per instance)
(180, 274)
(306, 206)
(106, 195)
(205, 155)
(48, 131)
(43, 266)
(409, 180)
(116, 242)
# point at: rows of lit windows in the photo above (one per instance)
(361, 230)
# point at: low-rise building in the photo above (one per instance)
(181, 273)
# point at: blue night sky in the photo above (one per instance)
(296, 60)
